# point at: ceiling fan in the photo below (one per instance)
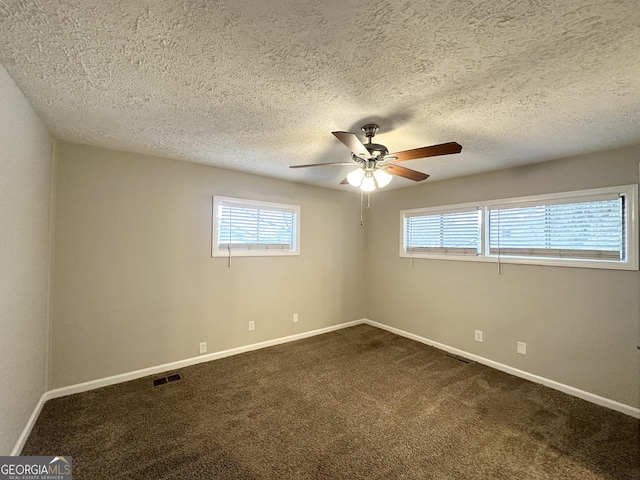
(376, 165)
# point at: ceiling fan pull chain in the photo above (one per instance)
(499, 264)
(368, 200)
(229, 244)
(411, 256)
(361, 207)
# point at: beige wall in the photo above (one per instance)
(135, 286)
(134, 282)
(25, 192)
(581, 325)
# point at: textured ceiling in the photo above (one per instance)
(259, 85)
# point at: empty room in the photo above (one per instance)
(319, 240)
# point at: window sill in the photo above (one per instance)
(257, 253)
(599, 264)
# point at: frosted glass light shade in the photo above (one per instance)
(382, 178)
(355, 177)
(368, 185)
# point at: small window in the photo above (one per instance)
(252, 228)
(446, 233)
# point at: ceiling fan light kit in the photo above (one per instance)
(376, 166)
(368, 183)
(382, 178)
(355, 177)
(369, 177)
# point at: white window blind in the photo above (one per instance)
(589, 229)
(456, 233)
(595, 228)
(254, 227)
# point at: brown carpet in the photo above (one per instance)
(358, 403)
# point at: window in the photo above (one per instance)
(252, 228)
(450, 232)
(589, 228)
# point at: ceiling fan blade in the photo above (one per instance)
(344, 182)
(423, 152)
(353, 143)
(406, 173)
(323, 164)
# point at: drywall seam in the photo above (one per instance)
(575, 392)
(52, 212)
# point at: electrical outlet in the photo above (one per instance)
(479, 337)
(295, 317)
(252, 325)
(203, 347)
(522, 348)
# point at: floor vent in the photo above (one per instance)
(460, 359)
(171, 378)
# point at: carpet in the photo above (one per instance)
(357, 403)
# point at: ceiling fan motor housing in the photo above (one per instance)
(375, 149)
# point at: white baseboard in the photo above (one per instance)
(590, 397)
(125, 377)
(28, 427)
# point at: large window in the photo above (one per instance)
(589, 228)
(251, 228)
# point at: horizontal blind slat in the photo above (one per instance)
(242, 226)
(443, 233)
(590, 229)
